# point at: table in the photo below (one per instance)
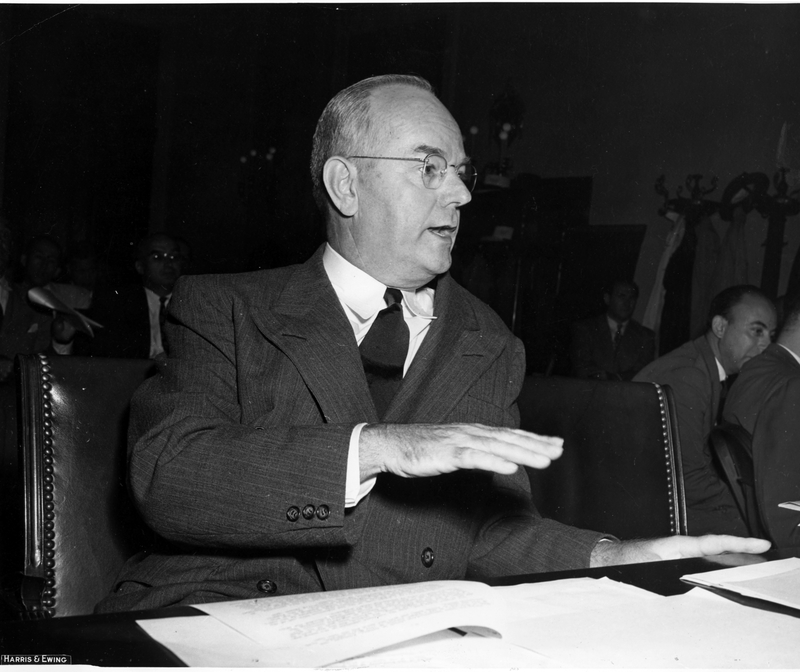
(114, 640)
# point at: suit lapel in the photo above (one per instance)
(453, 355)
(309, 326)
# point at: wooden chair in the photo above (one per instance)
(731, 446)
(79, 525)
(621, 469)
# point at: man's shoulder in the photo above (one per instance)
(684, 362)
(484, 314)
(640, 329)
(269, 281)
(590, 325)
(770, 377)
(774, 363)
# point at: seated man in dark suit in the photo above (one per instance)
(612, 346)
(133, 315)
(349, 421)
(741, 322)
(765, 400)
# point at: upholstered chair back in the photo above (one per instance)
(80, 525)
(621, 471)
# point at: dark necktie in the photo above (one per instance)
(384, 350)
(723, 395)
(618, 336)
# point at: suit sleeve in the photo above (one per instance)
(776, 456)
(203, 469)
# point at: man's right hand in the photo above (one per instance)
(428, 450)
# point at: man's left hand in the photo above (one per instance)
(673, 548)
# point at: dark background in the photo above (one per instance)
(118, 120)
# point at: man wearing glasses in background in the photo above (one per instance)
(348, 422)
(133, 315)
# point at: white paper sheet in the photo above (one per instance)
(777, 581)
(698, 629)
(317, 629)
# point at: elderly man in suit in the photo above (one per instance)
(741, 323)
(273, 455)
(765, 400)
(612, 346)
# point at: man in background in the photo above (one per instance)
(741, 323)
(133, 315)
(612, 346)
(765, 400)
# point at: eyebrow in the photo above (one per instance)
(428, 149)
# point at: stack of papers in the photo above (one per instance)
(594, 623)
(777, 582)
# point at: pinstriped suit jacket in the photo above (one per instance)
(252, 417)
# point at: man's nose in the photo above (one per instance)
(457, 190)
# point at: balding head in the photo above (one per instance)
(346, 126)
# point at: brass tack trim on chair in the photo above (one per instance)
(675, 483)
(47, 475)
(667, 457)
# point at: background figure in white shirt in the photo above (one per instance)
(132, 315)
(612, 346)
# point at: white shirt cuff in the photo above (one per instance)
(355, 490)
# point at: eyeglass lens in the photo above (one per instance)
(435, 169)
(163, 256)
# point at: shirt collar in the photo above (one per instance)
(721, 370)
(612, 323)
(363, 294)
(154, 298)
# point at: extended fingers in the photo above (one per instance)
(513, 446)
(714, 544)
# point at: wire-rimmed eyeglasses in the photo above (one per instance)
(434, 169)
(163, 256)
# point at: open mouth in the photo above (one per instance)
(443, 231)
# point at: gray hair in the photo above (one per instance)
(345, 127)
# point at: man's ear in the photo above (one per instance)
(339, 177)
(718, 325)
(606, 298)
(139, 267)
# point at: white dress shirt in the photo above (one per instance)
(154, 309)
(613, 325)
(361, 297)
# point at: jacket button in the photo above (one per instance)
(308, 511)
(427, 557)
(292, 513)
(323, 511)
(267, 586)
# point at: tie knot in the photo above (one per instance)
(392, 296)
(163, 300)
